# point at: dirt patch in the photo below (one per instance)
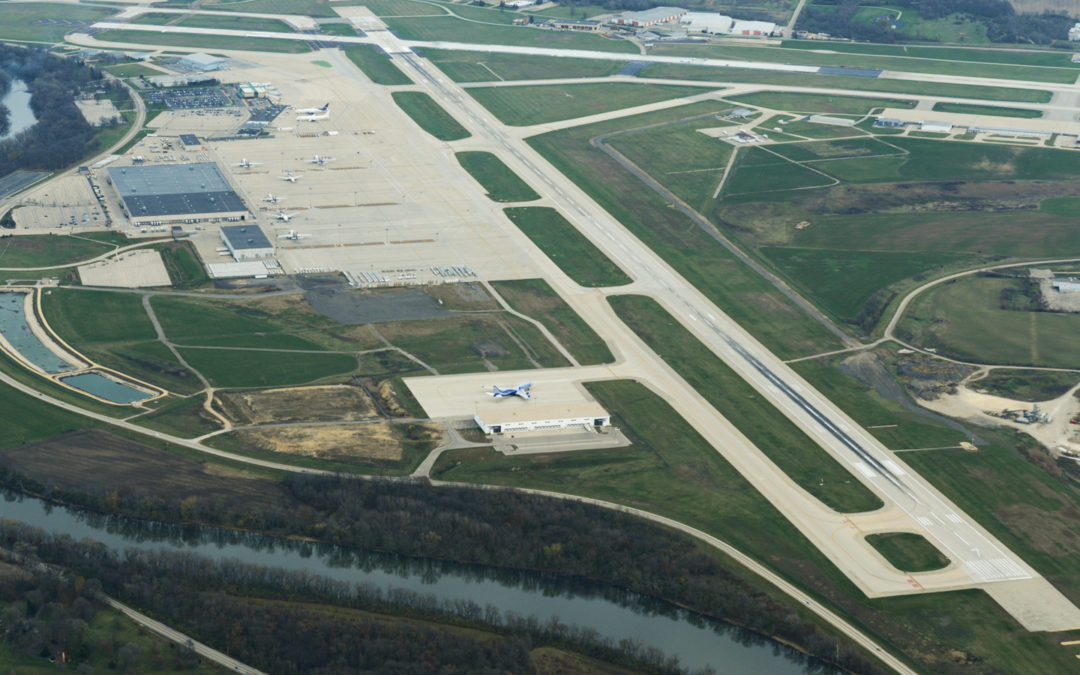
(351, 307)
(127, 467)
(338, 403)
(378, 441)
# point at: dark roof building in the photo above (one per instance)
(246, 242)
(168, 193)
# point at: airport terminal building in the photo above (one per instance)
(158, 194)
(505, 419)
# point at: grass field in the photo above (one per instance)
(797, 455)
(39, 22)
(211, 21)
(575, 255)
(998, 111)
(480, 67)
(43, 250)
(523, 106)
(150, 361)
(817, 103)
(964, 319)
(376, 65)
(183, 417)
(453, 29)
(132, 70)
(895, 63)
(735, 288)
(235, 368)
(676, 71)
(430, 116)
(204, 41)
(317, 8)
(1025, 385)
(908, 552)
(501, 184)
(77, 316)
(1019, 57)
(536, 299)
(757, 170)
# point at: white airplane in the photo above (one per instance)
(272, 198)
(246, 164)
(313, 117)
(281, 215)
(293, 235)
(321, 160)
(521, 391)
(313, 111)
(292, 177)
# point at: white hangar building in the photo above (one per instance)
(504, 419)
(246, 242)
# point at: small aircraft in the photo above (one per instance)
(293, 235)
(521, 391)
(272, 198)
(320, 160)
(281, 215)
(313, 111)
(292, 177)
(246, 163)
(313, 117)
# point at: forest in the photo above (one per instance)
(1003, 24)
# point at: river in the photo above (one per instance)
(17, 101)
(698, 642)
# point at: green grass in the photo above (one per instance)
(964, 319)
(1061, 206)
(38, 22)
(523, 106)
(457, 30)
(1009, 56)
(1025, 385)
(430, 116)
(399, 7)
(797, 455)
(536, 299)
(182, 263)
(736, 289)
(132, 70)
(211, 21)
(501, 184)
(998, 111)
(887, 86)
(315, 8)
(44, 250)
(818, 103)
(182, 318)
(233, 368)
(481, 67)
(150, 361)
(81, 317)
(575, 255)
(184, 417)
(842, 282)
(809, 151)
(342, 29)
(27, 420)
(204, 41)
(758, 170)
(908, 552)
(376, 65)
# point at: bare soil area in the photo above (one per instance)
(338, 403)
(379, 441)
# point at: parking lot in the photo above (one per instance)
(188, 97)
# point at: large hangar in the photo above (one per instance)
(153, 194)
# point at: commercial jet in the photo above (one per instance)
(313, 111)
(521, 391)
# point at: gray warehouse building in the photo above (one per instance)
(246, 242)
(154, 194)
(505, 419)
(204, 62)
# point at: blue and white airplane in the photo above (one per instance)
(521, 391)
(312, 111)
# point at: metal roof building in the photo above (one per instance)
(706, 22)
(246, 242)
(505, 419)
(649, 17)
(171, 193)
(204, 62)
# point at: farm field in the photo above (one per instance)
(501, 184)
(575, 255)
(476, 67)
(376, 65)
(523, 106)
(429, 115)
(536, 299)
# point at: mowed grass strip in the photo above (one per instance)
(797, 455)
(376, 65)
(820, 103)
(204, 41)
(238, 368)
(454, 29)
(1012, 57)
(81, 317)
(575, 255)
(484, 67)
(996, 111)
(523, 106)
(908, 552)
(43, 250)
(212, 21)
(502, 184)
(536, 299)
(430, 116)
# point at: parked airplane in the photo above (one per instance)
(281, 215)
(292, 177)
(246, 164)
(313, 111)
(321, 160)
(272, 198)
(313, 117)
(521, 391)
(293, 235)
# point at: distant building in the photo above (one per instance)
(158, 194)
(246, 242)
(760, 28)
(178, 80)
(889, 122)
(835, 121)
(139, 56)
(504, 419)
(707, 22)
(574, 25)
(936, 127)
(204, 62)
(1070, 285)
(649, 17)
